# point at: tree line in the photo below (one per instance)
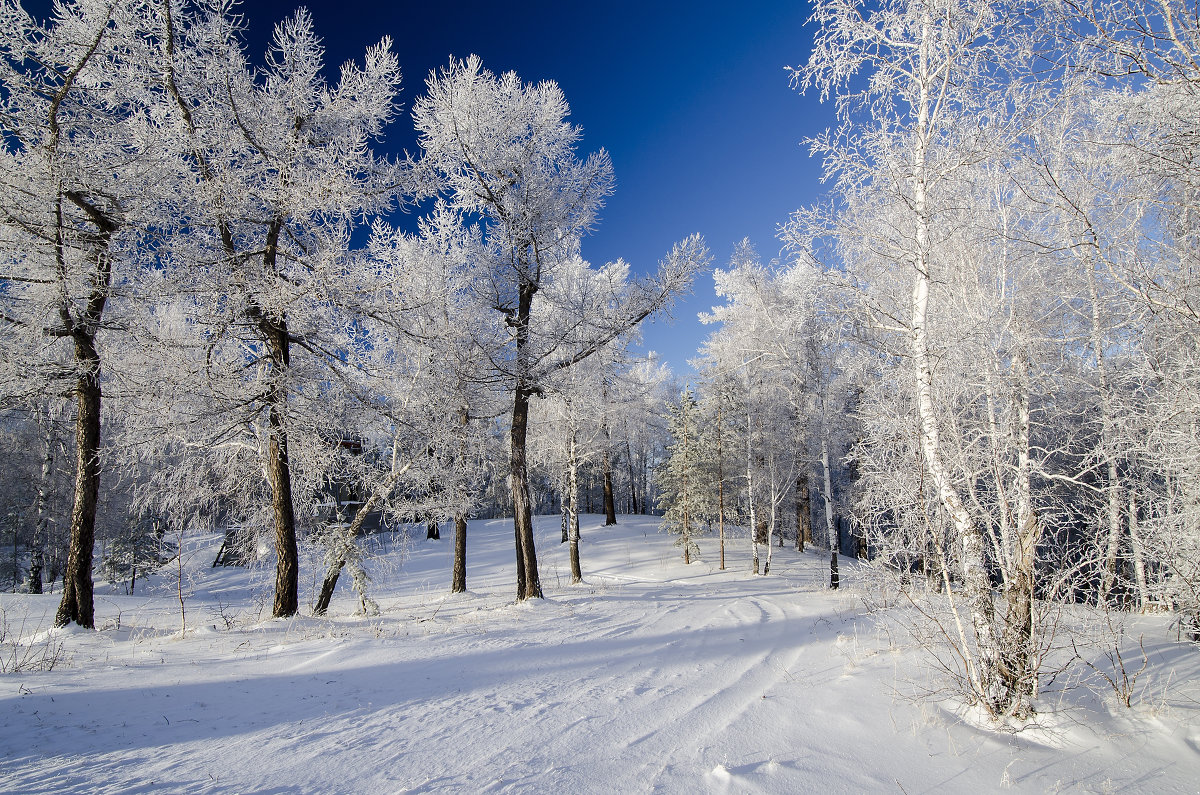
(203, 301)
(980, 350)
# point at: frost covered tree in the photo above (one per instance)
(501, 150)
(684, 477)
(280, 169)
(86, 169)
(1143, 108)
(754, 363)
(920, 98)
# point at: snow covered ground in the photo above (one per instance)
(653, 676)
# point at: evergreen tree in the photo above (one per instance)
(684, 476)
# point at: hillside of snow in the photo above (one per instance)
(650, 677)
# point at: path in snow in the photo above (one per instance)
(652, 676)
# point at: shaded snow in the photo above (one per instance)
(653, 676)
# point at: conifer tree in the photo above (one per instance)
(684, 476)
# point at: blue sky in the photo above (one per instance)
(690, 99)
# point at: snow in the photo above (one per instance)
(652, 676)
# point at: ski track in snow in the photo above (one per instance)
(650, 677)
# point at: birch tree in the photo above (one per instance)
(912, 83)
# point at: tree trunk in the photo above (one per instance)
(327, 585)
(721, 480)
(803, 512)
(610, 507)
(1112, 487)
(1018, 668)
(1139, 563)
(983, 663)
(830, 525)
(355, 529)
(433, 530)
(573, 509)
(771, 525)
(750, 479)
(458, 580)
(35, 570)
(287, 567)
(633, 500)
(565, 519)
(43, 516)
(761, 539)
(77, 599)
(529, 585)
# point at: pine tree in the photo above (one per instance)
(684, 476)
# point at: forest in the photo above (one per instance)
(973, 369)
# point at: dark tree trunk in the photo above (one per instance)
(35, 570)
(529, 585)
(353, 531)
(36, 555)
(287, 568)
(566, 520)
(458, 578)
(77, 600)
(633, 501)
(433, 531)
(806, 510)
(803, 512)
(576, 570)
(274, 333)
(573, 511)
(610, 508)
(327, 586)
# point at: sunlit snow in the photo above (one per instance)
(652, 676)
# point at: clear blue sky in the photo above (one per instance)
(691, 99)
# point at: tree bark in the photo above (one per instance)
(458, 579)
(573, 509)
(565, 518)
(750, 478)
(633, 500)
(610, 507)
(287, 566)
(1112, 487)
(721, 480)
(355, 528)
(1139, 563)
(77, 600)
(830, 526)
(983, 664)
(1018, 669)
(36, 558)
(529, 585)
(803, 512)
